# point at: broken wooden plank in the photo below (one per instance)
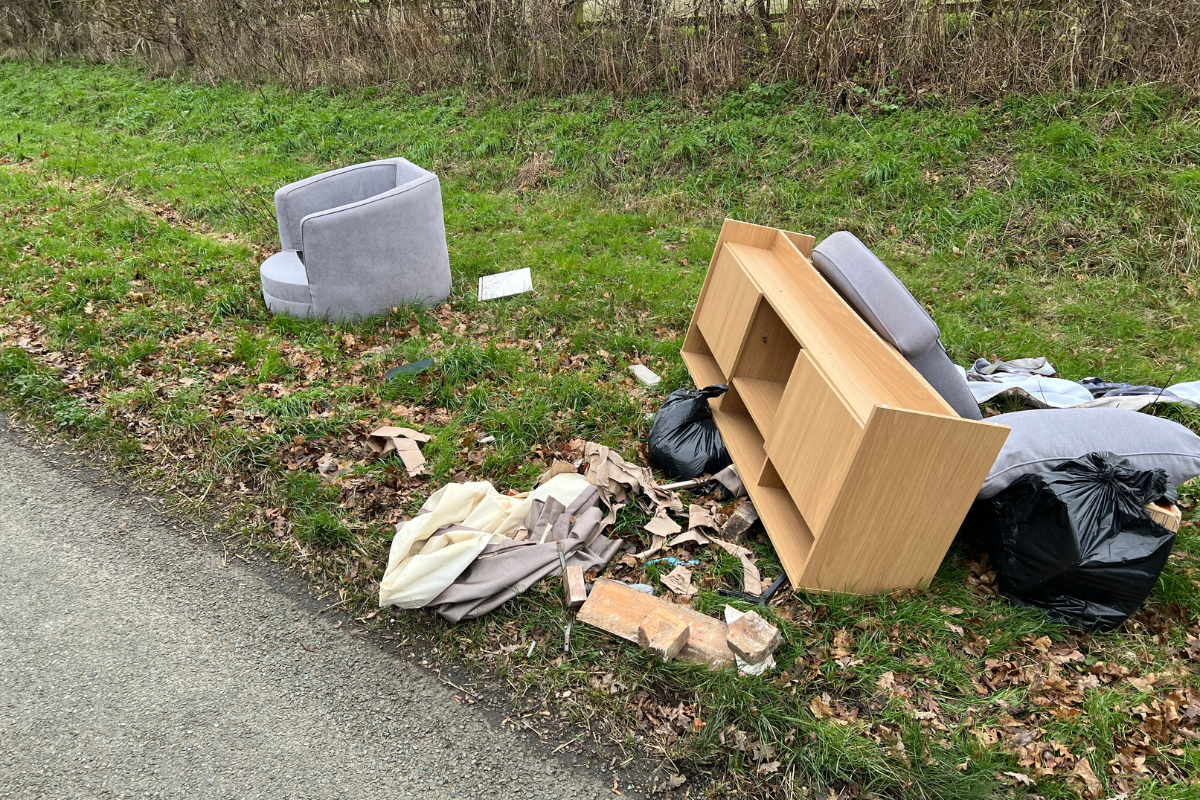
(619, 609)
(752, 637)
(574, 588)
(664, 632)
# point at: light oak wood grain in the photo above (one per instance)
(913, 479)
(814, 441)
(723, 320)
(861, 472)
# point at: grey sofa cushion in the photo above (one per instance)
(889, 308)
(1041, 439)
(947, 380)
(385, 251)
(284, 278)
(875, 293)
(350, 184)
(277, 306)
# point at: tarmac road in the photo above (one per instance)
(134, 664)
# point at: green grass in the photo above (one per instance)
(134, 212)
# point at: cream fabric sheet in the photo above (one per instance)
(423, 562)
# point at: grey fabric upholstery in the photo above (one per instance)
(1041, 439)
(283, 277)
(357, 241)
(890, 309)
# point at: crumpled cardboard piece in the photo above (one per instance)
(404, 441)
(751, 579)
(619, 480)
(700, 517)
(679, 581)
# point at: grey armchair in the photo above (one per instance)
(357, 241)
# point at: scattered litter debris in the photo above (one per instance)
(740, 521)
(405, 441)
(645, 375)
(468, 550)
(751, 580)
(663, 526)
(505, 284)
(752, 638)
(664, 633)
(415, 368)
(487, 440)
(574, 589)
(731, 481)
(644, 588)
(732, 615)
(679, 581)
(673, 561)
(1035, 382)
(619, 610)
(684, 441)
(700, 517)
(692, 484)
(761, 599)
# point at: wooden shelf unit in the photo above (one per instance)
(860, 471)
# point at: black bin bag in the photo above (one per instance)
(684, 440)
(1078, 541)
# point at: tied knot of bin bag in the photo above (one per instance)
(684, 441)
(1078, 541)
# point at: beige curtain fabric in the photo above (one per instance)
(457, 522)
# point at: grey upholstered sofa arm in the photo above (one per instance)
(330, 190)
(387, 249)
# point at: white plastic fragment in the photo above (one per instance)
(645, 375)
(505, 284)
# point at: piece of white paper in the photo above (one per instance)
(645, 375)
(505, 284)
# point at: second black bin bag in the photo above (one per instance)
(1078, 541)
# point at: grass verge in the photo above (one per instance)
(133, 214)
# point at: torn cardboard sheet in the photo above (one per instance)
(700, 517)
(679, 581)
(659, 528)
(619, 480)
(406, 443)
(751, 579)
(662, 525)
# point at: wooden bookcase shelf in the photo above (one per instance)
(860, 472)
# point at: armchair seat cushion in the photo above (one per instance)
(284, 278)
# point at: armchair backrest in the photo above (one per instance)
(329, 190)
